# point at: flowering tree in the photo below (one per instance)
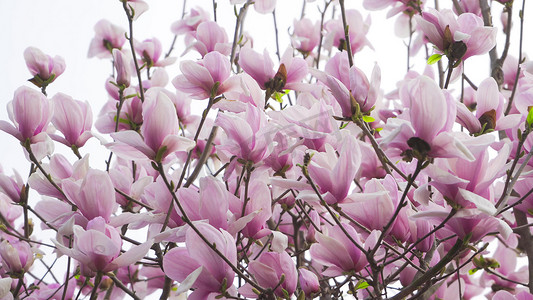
(302, 178)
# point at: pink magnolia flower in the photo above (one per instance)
(268, 270)
(198, 258)
(248, 136)
(350, 84)
(358, 28)
(459, 179)
(335, 251)
(308, 282)
(9, 210)
(508, 263)
(405, 9)
(444, 31)
(138, 6)
(209, 77)
(12, 186)
(210, 202)
(17, 256)
(474, 223)
(261, 6)
(428, 133)
(130, 115)
(260, 205)
(510, 65)
(73, 118)
(97, 248)
(156, 196)
(43, 67)
(94, 196)
(306, 35)
(159, 131)
(30, 113)
(133, 186)
(246, 91)
(150, 51)
(522, 187)
(489, 110)
(505, 295)
(122, 63)
(53, 291)
(59, 169)
(190, 22)
(375, 207)
(210, 37)
(334, 175)
(107, 37)
(288, 76)
(315, 124)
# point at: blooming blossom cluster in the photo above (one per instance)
(299, 180)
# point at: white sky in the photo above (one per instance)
(65, 28)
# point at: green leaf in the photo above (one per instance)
(434, 58)
(279, 96)
(473, 271)
(361, 284)
(368, 119)
(530, 116)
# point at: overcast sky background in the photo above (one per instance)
(65, 28)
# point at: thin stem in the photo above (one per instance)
(509, 9)
(276, 34)
(176, 36)
(203, 158)
(457, 7)
(215, 10)
(97, 280)
(410, 41)
(121, 285)
(322, 17)
(503, 201)
(346, 33)
(521, 15)
(487, 20)
(449, 76)
(67, 275)
(117, 122)
(236, 34)
(130, 39)
(379, 152)
(189, 156)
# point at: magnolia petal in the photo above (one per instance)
(129, 144)
(482, 204)
(280, 242)
(189, 281)
(467, 119)
(129, 257)
(239, 224)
